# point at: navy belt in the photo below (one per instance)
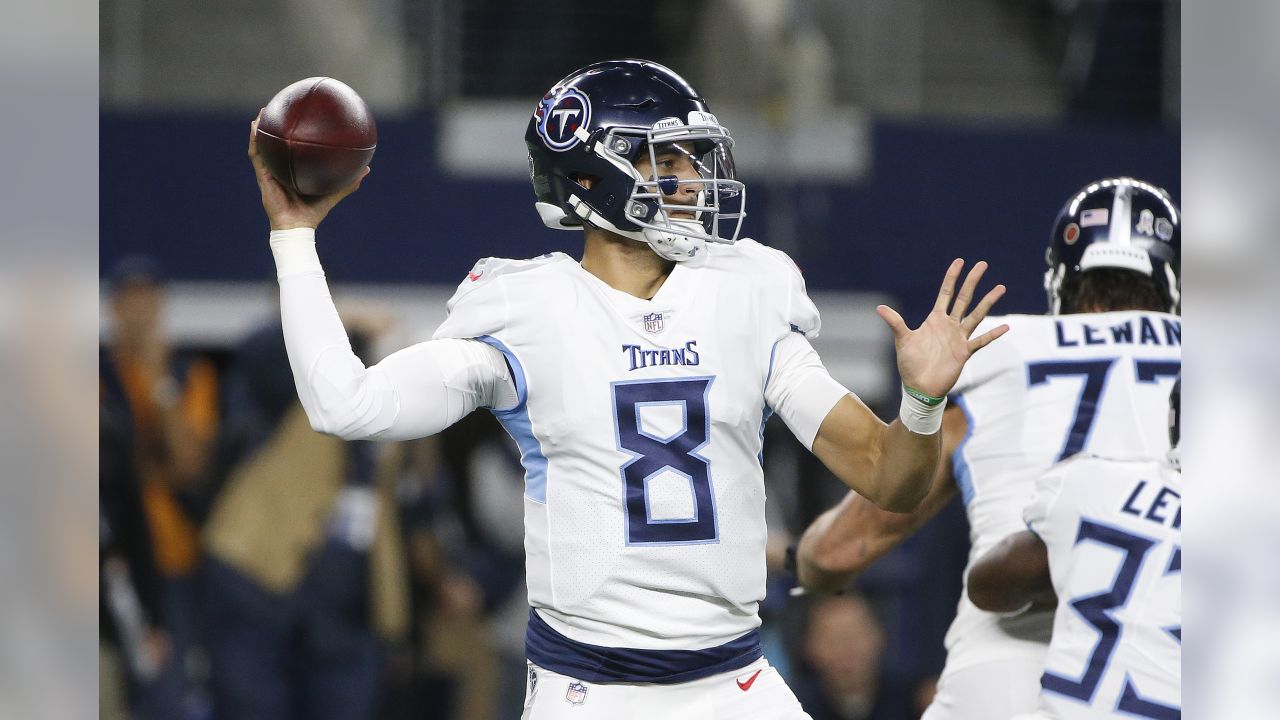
(549, 649)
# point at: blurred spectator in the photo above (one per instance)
(488, 483)
(132, 643)
(462, 501)
(170, 401)
(447, 668)
(305, 582)
(842, 646)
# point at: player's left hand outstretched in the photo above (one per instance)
(931, 357)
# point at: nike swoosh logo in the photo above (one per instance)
(745, 686)
(474, 276)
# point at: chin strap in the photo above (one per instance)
(667, 245)
(671, 246)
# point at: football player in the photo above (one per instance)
(636, 383)
(1093, 375)
(1105, 541)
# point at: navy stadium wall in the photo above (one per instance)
(179, 187)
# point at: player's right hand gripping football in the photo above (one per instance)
(286, 209)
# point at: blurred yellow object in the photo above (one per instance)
(273, 512)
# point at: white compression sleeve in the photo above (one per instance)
(417, 391)
(800, 389)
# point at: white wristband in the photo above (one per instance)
(919, 417)
(295, 251)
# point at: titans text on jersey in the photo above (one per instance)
(642, 357)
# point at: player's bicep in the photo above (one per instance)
(799, 388)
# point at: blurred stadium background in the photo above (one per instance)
(878, 139)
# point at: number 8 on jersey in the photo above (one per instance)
(655, 454)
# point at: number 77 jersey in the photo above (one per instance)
(1052, 387)
(640, 429)
(1055, 386)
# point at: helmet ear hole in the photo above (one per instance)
(584, 180)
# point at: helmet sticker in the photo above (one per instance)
(1146, 223)
(1071, 233)
(561, 112)
(1091, 218)
(698, 117)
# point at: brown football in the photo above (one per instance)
(316, 136)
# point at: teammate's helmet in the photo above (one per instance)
(596, 122)
(1117, 223)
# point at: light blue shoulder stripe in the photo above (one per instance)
(959, 465)
(517, 424)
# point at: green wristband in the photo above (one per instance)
(925, 398)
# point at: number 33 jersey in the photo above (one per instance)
(1113, 530)
(1054, 386)
(639, 424)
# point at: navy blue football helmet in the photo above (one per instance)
(1117, 223)
(596, 123)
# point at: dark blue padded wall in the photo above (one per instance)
(179, 187)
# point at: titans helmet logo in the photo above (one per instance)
(561, 112)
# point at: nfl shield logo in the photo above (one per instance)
(577, 693)
(653, 323)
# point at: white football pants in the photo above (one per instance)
(755, 692)
(994, 690)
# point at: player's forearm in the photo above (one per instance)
(848, 538)
(844, 541)
(904, 468)
(330, 379)
(1011, 575)
(887, 464)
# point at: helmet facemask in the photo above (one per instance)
(589, 133)
(717, 213)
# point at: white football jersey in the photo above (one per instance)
(640, 429)
(1052, 387)
(1114, 534)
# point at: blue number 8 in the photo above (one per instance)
(652, 455)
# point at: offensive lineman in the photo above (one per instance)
(1105, 540)
(636, 383)
(1091, 376)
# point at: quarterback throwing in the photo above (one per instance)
(636, 382)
